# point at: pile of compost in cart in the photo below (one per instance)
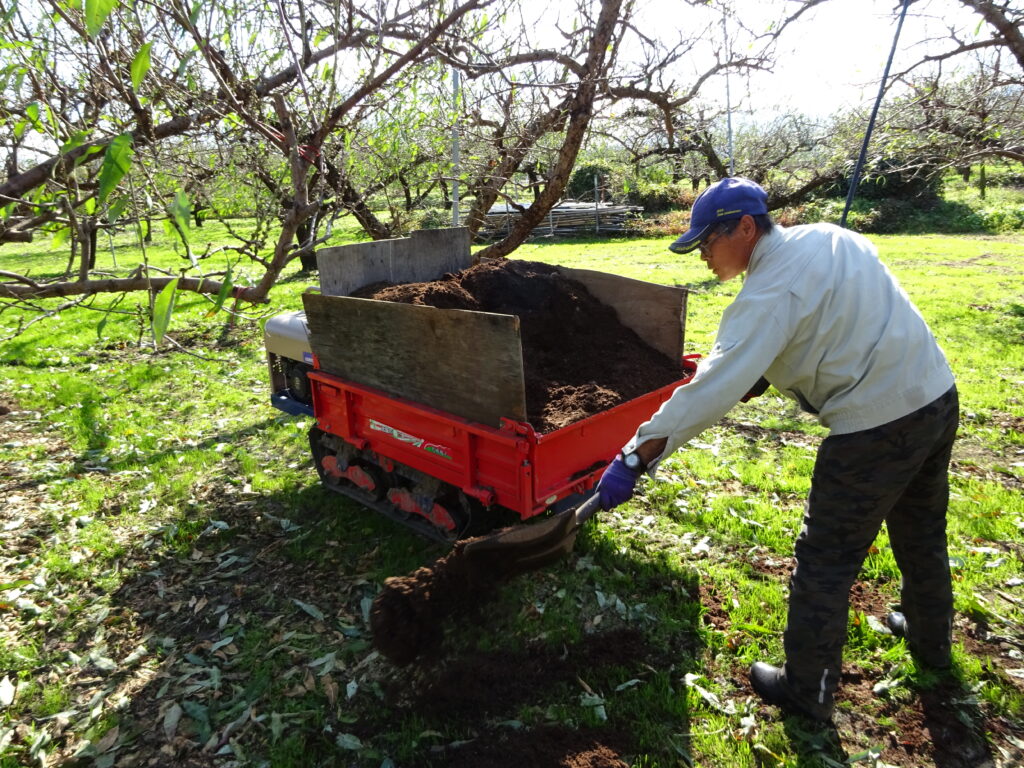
(578, 359)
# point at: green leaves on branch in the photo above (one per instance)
(32, 113)
(140, 66)
(96, 12)
(163, 308)
(118, 208)
(77, 139)
(179, 211)
(116, 162)
(222, 294)
(60, 237)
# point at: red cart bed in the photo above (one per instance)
(511, 466)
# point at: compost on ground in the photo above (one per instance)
(578, 359)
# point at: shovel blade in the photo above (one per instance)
(522, 548)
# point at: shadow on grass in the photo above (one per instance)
(941, 725)
(258, 612)
(309, 276)
(88, 423)
(703, 286)
(956, 724)
(814, 744)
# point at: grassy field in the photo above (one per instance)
(175, 588)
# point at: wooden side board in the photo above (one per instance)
(657, 313)
(469, 364)
(425, 255)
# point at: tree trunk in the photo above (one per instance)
(86, 234)
(406, 192)
(94, 231)
(305, 233)
(536, 183)
(580, 110)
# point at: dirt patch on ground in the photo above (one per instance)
(784, 436)
(715, 614)
(1006, 422)
(970, 469)
(773, 568)
(578, 358)
(939, 726)
(865, 598)
(475, 688)
(546, 747)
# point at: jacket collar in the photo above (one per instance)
(766, 244)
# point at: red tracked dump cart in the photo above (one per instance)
(426, 465)
(420, 412)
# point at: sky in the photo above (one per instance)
(836, 55)
(831, 59)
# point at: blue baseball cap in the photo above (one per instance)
(727, 199)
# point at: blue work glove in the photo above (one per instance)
(616, 484)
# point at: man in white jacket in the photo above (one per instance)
(821, 319)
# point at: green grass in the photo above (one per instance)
(155, 500)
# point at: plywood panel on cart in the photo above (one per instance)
(469, 364)
(657, 313)
(425, 255)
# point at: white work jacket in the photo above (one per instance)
(826, 323)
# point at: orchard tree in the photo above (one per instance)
(999, 28)
(964, 103)
(94, 91)
(605, 62)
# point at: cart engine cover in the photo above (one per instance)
(286, 335)
(289, 358)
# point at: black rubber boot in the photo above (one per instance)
(769, 683)
(936, 658)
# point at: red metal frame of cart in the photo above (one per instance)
(511, 465)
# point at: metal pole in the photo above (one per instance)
(455, 148)
(855, 179)
(728, 98)
(597, 213)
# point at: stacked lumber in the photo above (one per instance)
(564, 219)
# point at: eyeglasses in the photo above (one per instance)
(705, 245)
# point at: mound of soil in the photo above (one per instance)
(479, 687)
(407, 616)
(547, 747)
(578, 358)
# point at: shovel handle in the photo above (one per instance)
(586, 510)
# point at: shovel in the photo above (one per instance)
(522, 548)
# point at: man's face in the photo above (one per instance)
(729, 255)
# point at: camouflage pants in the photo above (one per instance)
(898, 473)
